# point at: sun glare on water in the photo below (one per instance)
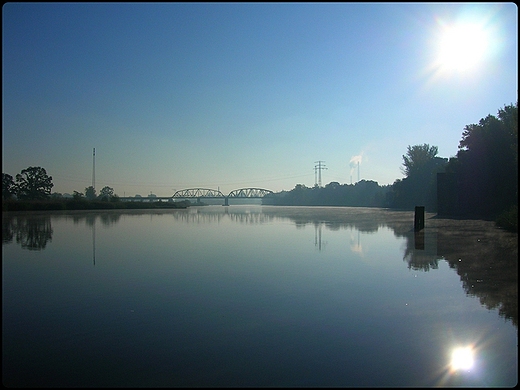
(462, 359)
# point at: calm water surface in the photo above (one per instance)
(254, 296)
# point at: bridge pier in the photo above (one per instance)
(226, 201)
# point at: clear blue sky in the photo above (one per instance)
(228, 96)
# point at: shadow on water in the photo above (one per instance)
(484, 257)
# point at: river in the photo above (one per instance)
(256, 296)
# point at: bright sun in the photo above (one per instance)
(462, 46)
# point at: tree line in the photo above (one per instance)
(33, 183)
(365, 193)
(31, 190)
(480, 181)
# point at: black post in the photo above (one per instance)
(419, 240)
(418, 223)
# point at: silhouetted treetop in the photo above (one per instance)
(417, 158)
(33, 183)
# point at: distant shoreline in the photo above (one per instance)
(83, 204)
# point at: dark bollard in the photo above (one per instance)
(418, 223)
(419, 240)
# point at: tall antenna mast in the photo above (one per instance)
(319, 167)
(358, 171)
(94, 168)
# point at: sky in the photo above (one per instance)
(245, 95)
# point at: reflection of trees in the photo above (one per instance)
(7, 230)
(367, 220)
(203, 215)
(31, 232)
(488, 266)
(197, 217)
(250, 218)
(107, 218)
(34, 231)
(420, 250)
(486, 259)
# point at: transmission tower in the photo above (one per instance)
(94, 168)
(318, 168)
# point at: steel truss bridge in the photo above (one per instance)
(201, 193)
(207, 193)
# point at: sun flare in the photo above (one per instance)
(462, 46)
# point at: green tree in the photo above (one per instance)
(33, 183)
(419, 187)
(8, 186)
(106, 193)
(90, 193)
(485, 169)
(76, 195)
(418, 158)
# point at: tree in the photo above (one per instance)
(90, 193)
(76, 195)
(485, 170)
(8, 186)
(419, 187)
(106, 193)
(417, 158)
(33, 183)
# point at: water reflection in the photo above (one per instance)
(31, 232)
(94, 242)
(484, 257)
(106, 218)
(205, 215)
(318, 242)
(194, 300)
(486, 262)
(420, 252)
(355, 246)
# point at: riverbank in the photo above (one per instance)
(83, 204)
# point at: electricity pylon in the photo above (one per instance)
(318, 168)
